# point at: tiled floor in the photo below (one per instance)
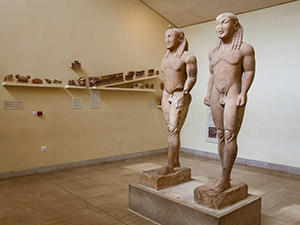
(97, 195)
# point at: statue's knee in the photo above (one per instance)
(229, 136)
(220, 134)
(172, 130)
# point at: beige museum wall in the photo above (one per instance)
(270, 129)
(42, 38)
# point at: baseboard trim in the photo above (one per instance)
(242, 161)
(247, 162)
(12, 174)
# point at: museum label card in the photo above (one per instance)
(94, 99)
(77, 103)
(12, 105)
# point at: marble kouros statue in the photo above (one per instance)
(179, 69)
(232, 68)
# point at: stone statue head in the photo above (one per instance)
(175, 40)
(227, 24)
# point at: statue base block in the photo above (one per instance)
(209, 198)
(175, 205)
(151, 178)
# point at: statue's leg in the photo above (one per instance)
(233, 116)
(181, 110)
(221, 144)
(167, 112)
(217, 112)
(177, 112)
(166, 105)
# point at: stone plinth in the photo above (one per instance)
(151, 178)
(176, 206)
(209, 198)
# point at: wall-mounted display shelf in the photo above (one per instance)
(114, 86)
(13, 84)
(122, 89)
(74, 87)
(132, 81)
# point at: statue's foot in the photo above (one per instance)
(165, 170)
(177, 164)
(220, 185)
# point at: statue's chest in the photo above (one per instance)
(172, 63)
(232, 57)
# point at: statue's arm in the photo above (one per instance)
(210, 84)
(191, 71)
(248, 64)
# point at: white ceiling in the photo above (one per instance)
(187, 12)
